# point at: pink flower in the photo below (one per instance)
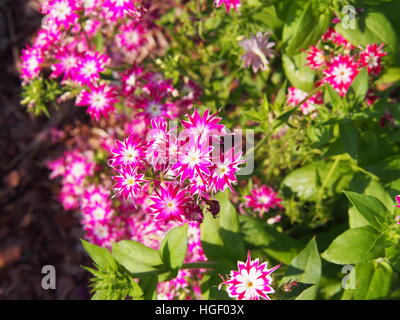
(235, 4)
(193, 159)
(336, 38)
(398, 201)
(32, 58)
(315, 57)
(63, 12)
(130, 152)
(89, 68)
(201, 128)
(223, 175)
(262, 198)
(100, 100)
(117, 9)
(371, 58)
(130, 79)
(66, 67)
(258, 51)
(128, 182)
(101, 233)
(169, 203)
(252, 281)
(340, 73)
(131, 36)
(295, 96)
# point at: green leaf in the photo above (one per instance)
(360, 85)
(373, 27)
(349, 136)
(355, 246)
(218, 234)
(364, 184)
(100, 256)
(298, 73)
(334, 97)
(265, 238)
(305, 182)
(229, 228)
(136, 257)
(393, 255)
(371, 209)
(210, 238)
(305, 30)
(356, 219)
(306, 268)
(373, 281)
(173, 247)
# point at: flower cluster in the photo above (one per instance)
(262, 198)
(181, 169)
(251, 281)
(340, 62)
(93, 49)
(337, 63)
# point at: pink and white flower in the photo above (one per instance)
(251, 281)
(263, 198)
(100, 101)
(170, 203)
(341, 72)
(371, 58)
(315, 57)
(128, 182)
(130, 152)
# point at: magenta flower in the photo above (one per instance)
(66, 67)
(169, 203)
(340, 73)
(371, 58)
(32, 58)
(398, 201)
(117, 9)
(63, 12)
(252, 281)
(235, 4)
(101, 101)
(130, 152)
(89, 68)
(131, 36)
(130, 79)
(201, 128)
(224, 172)
(295, 96)
(194, 159)
(262, 198)
(128, 182)
(258, 51)
(315, 57)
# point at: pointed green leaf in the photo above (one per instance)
(136, 257)
(173, 247)
(355, 246)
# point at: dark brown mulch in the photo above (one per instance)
(34, 229)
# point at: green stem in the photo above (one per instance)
(328, 176)
(265, 138)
